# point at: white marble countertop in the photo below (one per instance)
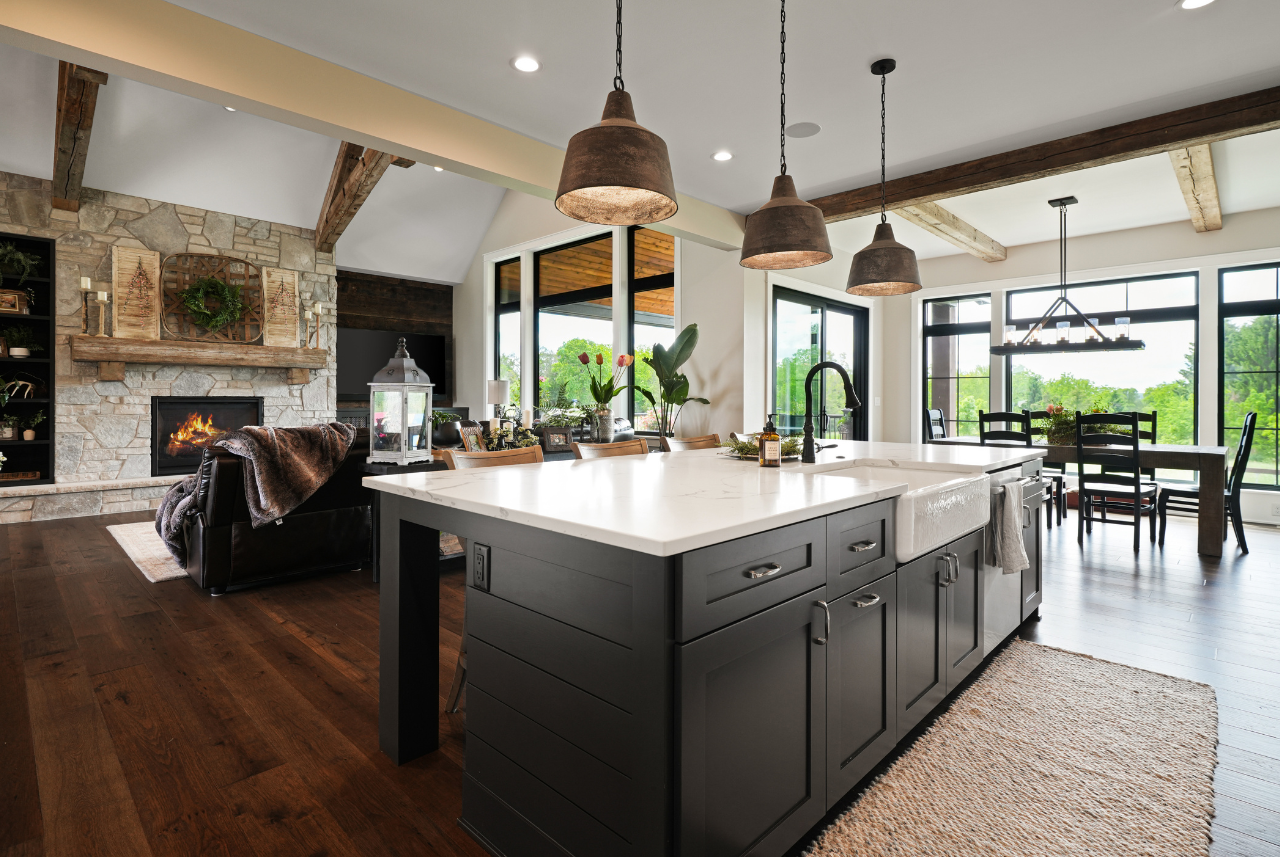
(669, 503)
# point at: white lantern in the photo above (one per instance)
(400, 411)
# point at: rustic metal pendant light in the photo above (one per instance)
(617, 172)
(883, 267)
(785, 232)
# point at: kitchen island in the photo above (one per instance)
(685, 653)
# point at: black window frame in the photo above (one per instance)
(1184, 312)
(861, 331)
(594, 293)
(965, 328)
(635, 286)
(499, 310)
(1243, 309)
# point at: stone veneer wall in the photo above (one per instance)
(103, 428)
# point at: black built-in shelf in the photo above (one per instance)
(32, 455)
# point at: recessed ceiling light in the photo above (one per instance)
(803, 129)
(1194, 4)
(525, 63)
(230, 109)
(722, 155)
(439, 169)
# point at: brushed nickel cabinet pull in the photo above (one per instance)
(945, 571)
(766, 571)
(822, 641)
(875, 599)
(859, 547)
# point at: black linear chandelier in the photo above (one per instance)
(1095, 340)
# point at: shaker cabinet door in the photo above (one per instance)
(752, 737)
(922, 638)
(862, 679)
(965, 608)
(1032, 576)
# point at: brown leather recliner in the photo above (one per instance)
(331, 531)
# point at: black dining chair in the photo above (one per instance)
(1116, 455)
(1054, 471)
(1018, 430)
(1188, 499)
(935, 424)
(1149, 435)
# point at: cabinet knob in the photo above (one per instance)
(764, 571)
(875, 599)
(859, 547)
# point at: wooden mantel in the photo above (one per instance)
(112, 354)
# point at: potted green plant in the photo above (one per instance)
(604, 389)
(21, 341)
(29, 433)
(1060, 427)
(673, 385)
(14, 261)
(8, 427)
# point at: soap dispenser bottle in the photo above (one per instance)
(770, 445)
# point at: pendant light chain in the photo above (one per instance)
(884, 218)
(1062, 244)
(617, 77)
(782, 102)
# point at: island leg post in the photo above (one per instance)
(408, 635)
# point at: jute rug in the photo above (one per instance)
(143, 545)
(1048, 753)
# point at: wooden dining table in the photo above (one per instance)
(1210, 461)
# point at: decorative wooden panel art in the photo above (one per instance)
(181, 271)
(281, 323)
(135, 306)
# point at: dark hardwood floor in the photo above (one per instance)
(140, 718)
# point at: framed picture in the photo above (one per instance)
(557, 439)
(472, 438)
(12, 301)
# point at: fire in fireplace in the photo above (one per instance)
(183, 426)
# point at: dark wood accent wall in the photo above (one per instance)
(371, 302)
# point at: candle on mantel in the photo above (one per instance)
(86, 285)
(102, 297)
(493, 426)
(317, 308)
(306, 313)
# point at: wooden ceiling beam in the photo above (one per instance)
(935, 219)
(356, 172)
(1194, 168)
(1179, 129)
(77, 101)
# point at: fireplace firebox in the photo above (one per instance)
(182, 426)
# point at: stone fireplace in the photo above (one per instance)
(182, 427)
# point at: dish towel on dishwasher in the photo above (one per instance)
(1004, 537)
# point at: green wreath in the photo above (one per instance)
(230, 307)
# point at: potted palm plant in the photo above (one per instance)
(673, 385)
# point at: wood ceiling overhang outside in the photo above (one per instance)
(564, 275)
(1184, 134)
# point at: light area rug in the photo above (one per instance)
(143, 545)
(1048, 753)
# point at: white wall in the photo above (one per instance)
(711, 296)
(1245, 238)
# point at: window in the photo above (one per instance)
(573, 302)
(1162, 377)
(957, 361)
(653, 313)
(807, 330)
(1249, 306)
(506, 337)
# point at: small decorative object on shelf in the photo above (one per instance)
(400, 411)
(2, 460)
(135, 278)
(31, 422)
(21, 341)
(557, 438)
(472, 438)
(13, 302)
(7, 428)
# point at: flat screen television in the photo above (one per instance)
(361, 353)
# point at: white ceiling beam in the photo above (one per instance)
(1194, 168)
(935, 219)
(167, 46)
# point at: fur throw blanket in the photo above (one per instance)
(286, 465)
(178, 502)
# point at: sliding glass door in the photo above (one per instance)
(807, 330)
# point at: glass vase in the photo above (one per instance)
(602, 426)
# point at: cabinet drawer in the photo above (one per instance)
(1032, 468)
(730, 581)
(859, 547)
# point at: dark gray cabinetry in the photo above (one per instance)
(965, 602)
(922, 638)
(859, 547)
(862, 680)
(752, 740)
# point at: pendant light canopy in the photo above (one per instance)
(617, 172)
(883, 267)
(785, 232)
